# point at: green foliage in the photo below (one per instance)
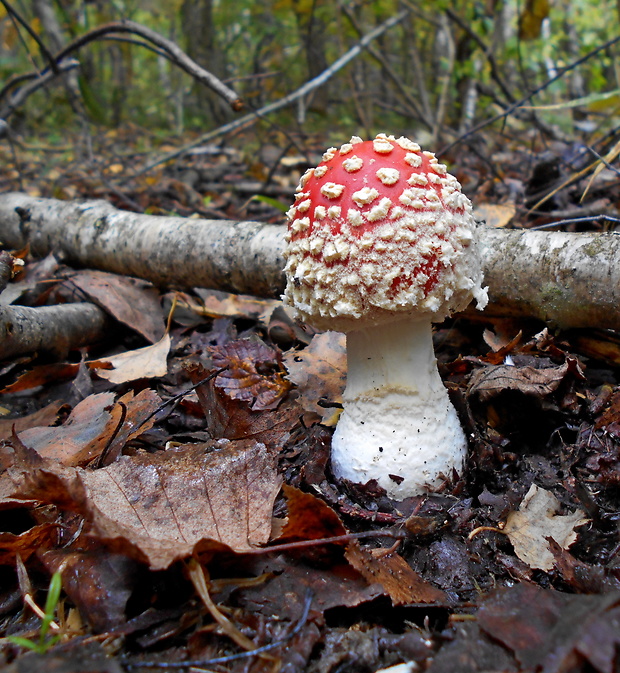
(263, 47)
(44, 641)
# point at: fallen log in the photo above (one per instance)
(566, 279)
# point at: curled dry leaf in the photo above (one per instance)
(24, 545)
(535, 521)
(253, 373)
(142, 363)
(319, 372)
(309, 518)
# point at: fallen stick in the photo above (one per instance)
(60, 328)
(568, 280)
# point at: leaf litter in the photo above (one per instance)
(183, 490)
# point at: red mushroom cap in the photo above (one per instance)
(380, 230)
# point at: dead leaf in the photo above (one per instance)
(554, 632)
(42, 374)
(494, 379)
(142, 363)
(496, 215)
(399, 581)
(309, 518)
(320, 371)
(97, 582)
(163, 507)
(43, 417)
(166, 503)
(27, 543)
(218, 304)
(253, 373)
(82, 436)
(131, 301)
(233, 419)
(535, 521)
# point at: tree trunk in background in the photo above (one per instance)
(201, 45)
(44, 11)
(313, 34)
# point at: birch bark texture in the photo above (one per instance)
(569, 280)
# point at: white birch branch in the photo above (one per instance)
(566, 279)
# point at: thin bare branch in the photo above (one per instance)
(304, 90)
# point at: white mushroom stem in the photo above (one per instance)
(398, 425)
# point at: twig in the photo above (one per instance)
(519, 103)
(15, 16)
(176, 54)
(389, 71)
(39, 80)
(170, 50)
(253, 117)
(301, 622)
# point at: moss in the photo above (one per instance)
(595, 247)
(552, 294)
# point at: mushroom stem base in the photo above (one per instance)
(398, 425)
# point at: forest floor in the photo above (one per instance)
(184, 504)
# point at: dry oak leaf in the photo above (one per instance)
(319, 371)
(253, 373)
(535, 521)
(131, 301)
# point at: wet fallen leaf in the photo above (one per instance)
(142, 363)
(133, 302)
(535, 521)
(553, 632)
(319, 371)
(253, 373)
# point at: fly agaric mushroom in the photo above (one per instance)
(380, 244)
